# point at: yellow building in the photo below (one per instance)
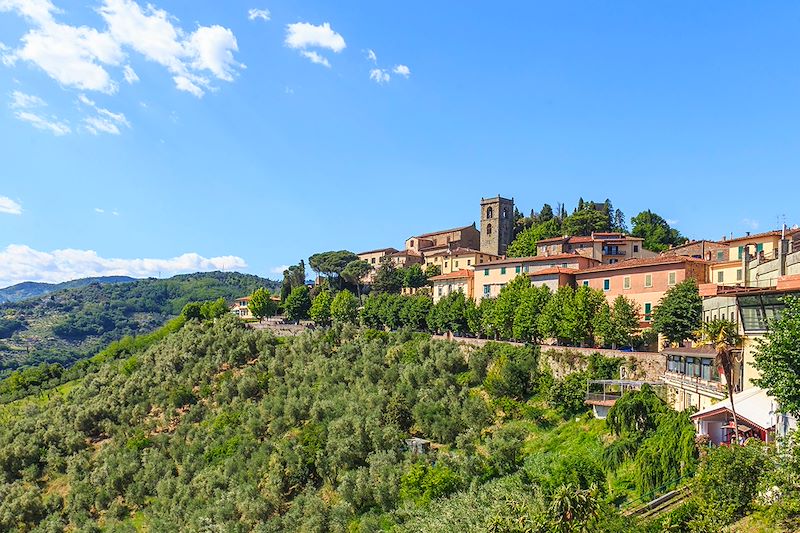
(240, 307)
(406, 258)
(692, 376)
(453, 259)
(446, 284)
(490, 278)
(374, 258)
(737, 265)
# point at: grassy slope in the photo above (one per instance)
(43, 399)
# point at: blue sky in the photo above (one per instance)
(113, 161)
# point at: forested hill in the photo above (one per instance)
(31, 289)
(68, 325)
(217, 427)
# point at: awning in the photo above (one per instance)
(753, 406)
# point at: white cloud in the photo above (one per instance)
(185, 84)
(79, 56)
(302, 35)
(672, 221)
(150, 32)
(98, 125)
(130, 74)
(379, 76)
(23, 263)
(99, 210)
(53, 125)
(104, 121)
(20, 100)
(38, 11)
(255, 13)
(402, 70)
(372, 56)
(73, 56)
(9, 206)
(314, 57)
(278, 270)
(213, 48)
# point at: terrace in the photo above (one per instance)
(602, 394)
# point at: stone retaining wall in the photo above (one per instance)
(563, 360)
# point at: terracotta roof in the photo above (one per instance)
(539, 258)
(691, 243)
(781, 288)
(460, 251)
(431, 249)
(388, 250)
(406, 252)
(646, 261)
(459, 274)
(434, 233)
(594, 237)
(773, 233)
(553, 270)
(551, 239)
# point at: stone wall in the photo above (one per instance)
(563, 360)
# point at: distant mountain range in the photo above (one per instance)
(32, 289)
(67, 322)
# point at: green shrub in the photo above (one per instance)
(422, 483)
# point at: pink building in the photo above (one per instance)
(644, 281)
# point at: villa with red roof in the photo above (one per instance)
(606, 247)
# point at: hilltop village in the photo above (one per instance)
(741, 280)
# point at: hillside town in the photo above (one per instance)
(741, 279)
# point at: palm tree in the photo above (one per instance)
(571, 507)
(724, 336)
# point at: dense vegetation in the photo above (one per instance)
(210, 425)
(778, 357)
(218, 424)
(69, 325)
(589, 217)
(521, 312)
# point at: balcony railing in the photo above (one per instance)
(602, 396)
(608, 251)
(715, 389)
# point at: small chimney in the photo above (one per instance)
(747, 233)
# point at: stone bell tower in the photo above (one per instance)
(497, 224)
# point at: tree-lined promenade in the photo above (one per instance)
(521, 312)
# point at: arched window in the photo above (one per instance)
(505, 212)
(489, 212)
(488, 228)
